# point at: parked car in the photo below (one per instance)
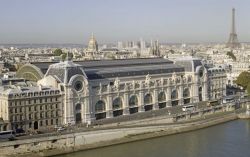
(188, 108)
(60, 129)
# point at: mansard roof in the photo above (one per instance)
(65, 70)
(109, 63)
(99, 69)
(101, 73)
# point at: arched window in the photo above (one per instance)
(78, 116)
(133, 101)
(174, 94)
(161, 97)
(117, 103)
(78, 107)
(148, 99)
(186, 93)
(200, 89)
(100, 106)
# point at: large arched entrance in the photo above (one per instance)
(174, 98)
(100, 110)
(162, 100)
(78, 115)
(186, 95)
(117, 107)
(148, 100)
(133, 104)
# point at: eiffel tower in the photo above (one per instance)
(233, 40)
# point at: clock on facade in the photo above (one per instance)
(78, 85)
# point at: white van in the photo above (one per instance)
(188, 108)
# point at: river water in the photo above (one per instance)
(231, 139)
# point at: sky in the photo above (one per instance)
(73, 21)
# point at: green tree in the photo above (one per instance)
(243, 79)
(64, 56)
(58, 52)
(171, 51)
(230, 54)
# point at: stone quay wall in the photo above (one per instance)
(62, 144)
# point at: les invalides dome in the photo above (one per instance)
(92, 46)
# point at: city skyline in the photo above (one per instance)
(45, 22)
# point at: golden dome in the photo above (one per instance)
(92, 46)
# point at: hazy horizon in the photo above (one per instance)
(73, 21)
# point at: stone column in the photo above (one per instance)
(205, 87)
(155, 100)
(109, 110)
(195, 89)
(141, 102)
(169, 96)
(69, 107)
(88, 113)
(181, 100)
(125, 104)
(205, 92)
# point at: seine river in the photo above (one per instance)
(230, 139)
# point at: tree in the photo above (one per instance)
(171, 51)
(58, 52)
(64, 56)
(243, 79)
(230, 54)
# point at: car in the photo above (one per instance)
(60, 129)
(188, 108)
(19, 131)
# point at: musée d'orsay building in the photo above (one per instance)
(92, 90)
(86, 91)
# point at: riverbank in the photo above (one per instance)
(62, 144)
(244, 116)
(157, 132)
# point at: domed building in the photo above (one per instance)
(92, 46)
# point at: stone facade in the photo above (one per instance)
(92, 90)
(30, 107)
(217, 81)
(108, 89)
